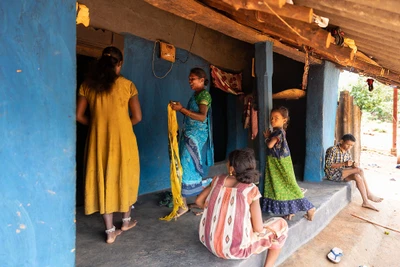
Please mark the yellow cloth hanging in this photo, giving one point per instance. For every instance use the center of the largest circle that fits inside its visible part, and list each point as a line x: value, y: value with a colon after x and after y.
x: 175, y: 165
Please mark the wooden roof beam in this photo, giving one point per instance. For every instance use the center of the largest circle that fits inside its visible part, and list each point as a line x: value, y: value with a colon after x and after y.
x: 209, y: 18
x: 300, y: 13
x: 314, y: 38
x: 237, y: 4
x: 378, y: 78
x: 300, y: 33
x: 198, y: 13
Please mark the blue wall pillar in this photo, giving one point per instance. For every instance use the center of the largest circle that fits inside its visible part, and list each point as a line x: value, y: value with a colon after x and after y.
x: 264, y: 71
x: 322, y: 97
x: 37, y: 132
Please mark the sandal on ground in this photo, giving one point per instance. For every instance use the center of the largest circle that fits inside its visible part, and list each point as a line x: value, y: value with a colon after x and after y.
x: 197, y: 213
x: 195, y: 206
x: 109, y: 232
x: 335, y: 255
x: 179, y: 214
x: 130, y: 226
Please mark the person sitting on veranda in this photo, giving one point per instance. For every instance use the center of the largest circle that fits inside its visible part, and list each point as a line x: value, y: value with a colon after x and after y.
x: 339, y: 167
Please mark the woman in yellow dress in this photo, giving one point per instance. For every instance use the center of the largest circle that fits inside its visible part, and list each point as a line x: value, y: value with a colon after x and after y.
x: 112, y: 159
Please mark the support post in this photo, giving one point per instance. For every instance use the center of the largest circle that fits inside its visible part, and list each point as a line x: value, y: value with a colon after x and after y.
x: 394, y: 137
x: 264, y: 71
x: 322, y: 95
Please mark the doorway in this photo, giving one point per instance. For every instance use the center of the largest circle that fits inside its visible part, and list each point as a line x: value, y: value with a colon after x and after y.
x: 220, y: 123
x: 83, y: 65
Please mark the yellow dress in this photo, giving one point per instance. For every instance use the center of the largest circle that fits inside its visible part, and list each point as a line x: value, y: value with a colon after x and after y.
x: 112, y: 156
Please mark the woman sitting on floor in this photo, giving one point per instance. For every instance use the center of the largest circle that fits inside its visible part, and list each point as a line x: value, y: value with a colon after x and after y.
x: 232, y: 226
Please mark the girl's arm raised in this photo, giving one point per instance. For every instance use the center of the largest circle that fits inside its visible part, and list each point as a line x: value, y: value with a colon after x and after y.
x: 272, y: 142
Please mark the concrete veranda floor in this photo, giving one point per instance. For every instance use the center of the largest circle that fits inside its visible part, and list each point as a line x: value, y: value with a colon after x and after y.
x: 158, y: 243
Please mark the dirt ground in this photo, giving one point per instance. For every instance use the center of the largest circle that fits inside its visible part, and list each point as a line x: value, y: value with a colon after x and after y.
x: 363, y: 243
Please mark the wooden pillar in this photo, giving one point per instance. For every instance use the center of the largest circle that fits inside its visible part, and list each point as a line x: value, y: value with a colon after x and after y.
x: 394, y: 137
x: 264, y: 71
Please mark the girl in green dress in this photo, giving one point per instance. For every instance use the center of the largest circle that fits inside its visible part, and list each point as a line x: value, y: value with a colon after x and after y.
x: 282, y: 195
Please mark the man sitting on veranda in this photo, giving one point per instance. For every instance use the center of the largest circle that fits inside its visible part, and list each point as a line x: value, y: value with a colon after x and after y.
x: 339, y: 166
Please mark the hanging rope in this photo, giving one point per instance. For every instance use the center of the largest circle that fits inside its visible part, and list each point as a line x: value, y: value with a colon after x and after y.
x: 190, y: 48
x: 284, y: 22
x: 306, y: 68
x: 152, y: 63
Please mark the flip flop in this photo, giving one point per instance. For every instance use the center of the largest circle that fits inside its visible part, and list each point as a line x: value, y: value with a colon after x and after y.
x: 335, y: 255
x: 197, y: 213
x: 181, y: 213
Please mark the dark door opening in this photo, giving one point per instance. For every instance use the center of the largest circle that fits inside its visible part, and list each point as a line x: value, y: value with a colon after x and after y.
x: 220, y: 123
x: 83, y: 64
x: 289, y: 74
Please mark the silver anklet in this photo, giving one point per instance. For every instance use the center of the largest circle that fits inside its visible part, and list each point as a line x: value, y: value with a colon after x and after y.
x: 126, y: 219
x: 111, y: 230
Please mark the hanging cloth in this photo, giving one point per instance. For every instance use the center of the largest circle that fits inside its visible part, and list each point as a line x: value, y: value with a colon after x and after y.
x: 227, y: 82
x: 247, y: 111
x: 175, y: 165
x: 254, y: 123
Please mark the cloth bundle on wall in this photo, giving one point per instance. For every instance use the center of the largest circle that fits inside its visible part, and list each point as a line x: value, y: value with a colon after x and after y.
x: 250, y: 116
x: 82, y: 14
x: 227, y: 82
x: 175, y: 165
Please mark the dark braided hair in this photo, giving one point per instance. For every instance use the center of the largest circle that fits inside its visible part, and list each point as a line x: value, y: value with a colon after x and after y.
x: 201, y: 74
x: 244, y: 163
x: 285, y: 114
x: 102, y: 76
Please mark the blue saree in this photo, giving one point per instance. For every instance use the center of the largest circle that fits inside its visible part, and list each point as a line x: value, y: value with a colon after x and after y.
x: 195, y: 135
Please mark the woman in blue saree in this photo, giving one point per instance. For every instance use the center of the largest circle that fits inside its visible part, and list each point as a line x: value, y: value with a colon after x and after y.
x: 196, y: 135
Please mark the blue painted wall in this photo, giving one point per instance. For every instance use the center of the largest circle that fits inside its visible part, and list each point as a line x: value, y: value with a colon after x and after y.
x: 37, y: 133
x: 322, y: 96
x: 237, y: 136
x: 154, y: 96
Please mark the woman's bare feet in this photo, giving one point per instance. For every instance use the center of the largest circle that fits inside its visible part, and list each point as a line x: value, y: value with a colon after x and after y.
x: 288, y: 217
x: 310, y: 214
x: 375, y: 198
x: 369, y: 206
x: 127, y: 224
x: 112, y: 234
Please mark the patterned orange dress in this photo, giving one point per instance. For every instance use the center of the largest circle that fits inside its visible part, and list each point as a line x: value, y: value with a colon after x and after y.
x: 226, y: 229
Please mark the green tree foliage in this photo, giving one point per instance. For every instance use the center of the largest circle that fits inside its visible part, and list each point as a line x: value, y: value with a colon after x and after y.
x: 379, y: 102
